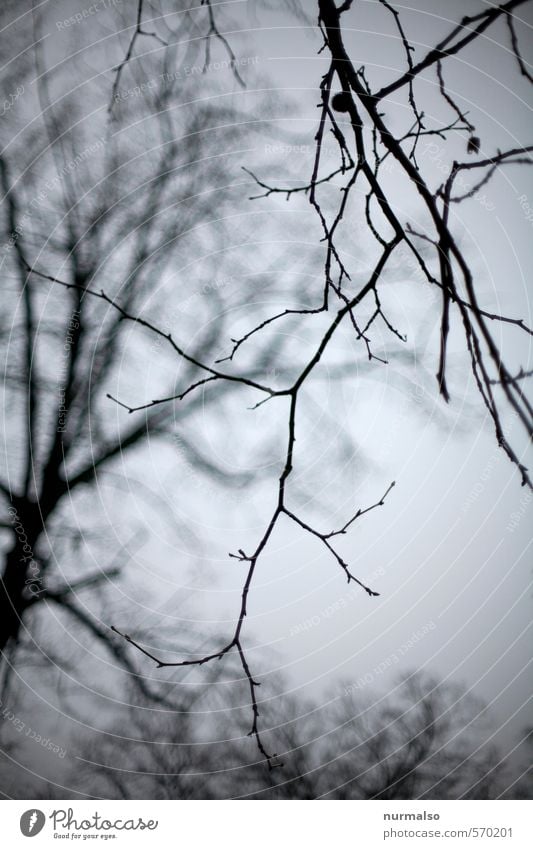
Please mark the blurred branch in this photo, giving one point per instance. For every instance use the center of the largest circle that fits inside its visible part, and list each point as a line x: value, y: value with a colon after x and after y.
x: 451, y: 44
x: 476, y: 330
x: 166, y: 336
x: 364, y: 142
x: 139, y: 31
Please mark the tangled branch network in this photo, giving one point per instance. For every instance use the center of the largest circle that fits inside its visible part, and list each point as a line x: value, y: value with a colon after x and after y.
x: 350, y: 112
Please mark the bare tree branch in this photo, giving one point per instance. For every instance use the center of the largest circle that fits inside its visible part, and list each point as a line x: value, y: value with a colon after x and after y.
x: 138, y: 31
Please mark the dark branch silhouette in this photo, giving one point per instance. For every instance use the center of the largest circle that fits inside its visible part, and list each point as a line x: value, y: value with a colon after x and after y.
x: 350, y: 111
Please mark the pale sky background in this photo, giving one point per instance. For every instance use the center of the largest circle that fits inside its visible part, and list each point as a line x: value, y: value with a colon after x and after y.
x: 442, y: 541
x: 450, y: 551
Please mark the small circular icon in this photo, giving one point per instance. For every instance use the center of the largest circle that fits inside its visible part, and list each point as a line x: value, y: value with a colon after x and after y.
x: 32, y: 822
